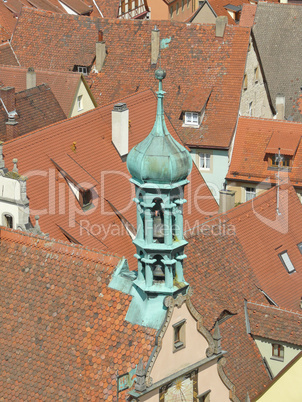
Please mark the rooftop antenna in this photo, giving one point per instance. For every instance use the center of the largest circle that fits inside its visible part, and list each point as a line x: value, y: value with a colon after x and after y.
x: 279, y: 159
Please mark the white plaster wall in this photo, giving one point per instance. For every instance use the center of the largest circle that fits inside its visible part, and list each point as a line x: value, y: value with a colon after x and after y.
x: 9, y: 188
x: 265, y: 348
x: 208, y: 379
x: 239, y: 188
x: 205, y: 16
x: 255, y: 91
x: 86, y: 101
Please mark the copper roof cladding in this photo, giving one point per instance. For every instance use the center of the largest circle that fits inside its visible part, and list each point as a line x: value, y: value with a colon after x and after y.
x: 63, y: 331
x: 85, y: 140
x: 275, y: 323
x: 36, y: 107
x: 249, y: 161
x: 63, y: 84
x: 7, y: 55
x: 200, y: 61
x: 230, y: 258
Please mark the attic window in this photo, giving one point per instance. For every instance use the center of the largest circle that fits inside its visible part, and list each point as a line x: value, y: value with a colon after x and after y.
x: 191, y: 118
x: 245, y: 82
x: 256, y: 74
x: 179, y: 335
x: 285, y: 162
x: 8, y: 221
x: 286, y: 261
x: 82, y: 69
x: 80, y: 102
x: 277, y: 352
x: 85, y: 199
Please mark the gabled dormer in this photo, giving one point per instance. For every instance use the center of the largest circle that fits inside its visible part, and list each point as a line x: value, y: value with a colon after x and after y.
x: 193, y: 108
x: 281, y: 150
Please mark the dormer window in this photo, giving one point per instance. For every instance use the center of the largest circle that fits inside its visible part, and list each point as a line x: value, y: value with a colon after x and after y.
x: 285, y: 161
x: 191, y: 118
x: 82, y: 69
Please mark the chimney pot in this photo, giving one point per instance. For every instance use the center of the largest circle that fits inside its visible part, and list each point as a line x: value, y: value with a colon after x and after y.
x: 7, y: 94
x: 120, y: 128
x: 221, y: 23
x: 100, y: 36
x: 100, y: 53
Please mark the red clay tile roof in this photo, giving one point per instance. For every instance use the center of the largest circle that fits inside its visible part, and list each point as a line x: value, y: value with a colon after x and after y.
x: 86, y: 141
x: 219, y: 7
x: 200, y: 61
x: 287, y: 144
x: 7, y: 55
x: 249, y: 161
x: 36, y: 107
x: 63, y: 332
x: 248, y: 15
x: 63, y: 84
x: 74, y: 36
x: 275, y: 323
x: 221, y: 277
x: 109, y: 9
x: 7, y: 23
x: 78, y: 6
x: 231, y: 257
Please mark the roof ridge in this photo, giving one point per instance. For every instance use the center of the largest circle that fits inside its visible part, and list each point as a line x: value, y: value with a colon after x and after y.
x: 38, y: 70
x: 270, y: 120
x: 16, y: 236
x: 282, y: 309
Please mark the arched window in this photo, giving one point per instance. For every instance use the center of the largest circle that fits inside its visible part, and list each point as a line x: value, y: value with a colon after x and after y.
x: 8, y: 221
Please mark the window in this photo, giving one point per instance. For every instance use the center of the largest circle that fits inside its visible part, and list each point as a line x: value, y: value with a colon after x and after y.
x: 82, y: 69
x: 245, y: 82
x: 86, y: 199
x: 204, y: 161
x: 177, y: 8
x: 256, y: 74
x: 285, y: 161
x: 204, y: 397
x: 182, y: 5
x: 8, y: 221
x: 277, y: 351
x: 171, y: 12
x: 286, y: 261
x: 80, y: 102
x: 191, y: 118
x: 179, y: 335
x: 251, y: 109
x: 250, y: 192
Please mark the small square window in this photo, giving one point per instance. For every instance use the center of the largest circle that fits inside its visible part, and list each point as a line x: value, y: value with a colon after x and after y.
x: 250, y: 192
x: 179, y: 335
x: 82, y: 69
x: 191, y: 118
x: 277, y: 351
x: 286, y: 261
x: 80, y: 102
x: 204, y: 161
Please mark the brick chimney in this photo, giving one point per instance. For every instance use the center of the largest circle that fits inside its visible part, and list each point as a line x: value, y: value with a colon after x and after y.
x: 154, y: 45
x: 221, y: 23
x: 100, y: 52
x: 31, y: 79
x: 8, y: 101
x: 280, y: 106
x: 120, y: 128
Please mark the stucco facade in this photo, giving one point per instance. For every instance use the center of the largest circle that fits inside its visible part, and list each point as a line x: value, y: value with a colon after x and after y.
x: 275, y: 364
x: 82, y: 101
x: 205, y: 15
x: 254, y: 98
x: 241, y: 189
x: 214, y: 176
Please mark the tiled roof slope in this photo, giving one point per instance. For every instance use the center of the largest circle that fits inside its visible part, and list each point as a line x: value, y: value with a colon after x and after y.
x: 7, y: 23
x: 248, y: 15
x: 275, y: 323
x: 109, y: 9
x: 63, y: 84
x: 83, y: 146
x: 219, y: 7
x: 231, y: 257
x: 221, y: 277
x: 7, y: 55
x: 264, y: 235
x: 36, y: 107
x: 54, y: 41
x: 200, y: 61
x: 277, y: 30
x: 63, y: 332
x: 249, y: 161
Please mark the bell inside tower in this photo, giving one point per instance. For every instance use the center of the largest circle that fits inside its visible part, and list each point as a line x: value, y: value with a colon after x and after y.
x: 158, y: 222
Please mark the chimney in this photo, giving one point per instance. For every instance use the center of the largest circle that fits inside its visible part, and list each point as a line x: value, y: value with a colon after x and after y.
x: 31, y: 80
x: 221, y: 23
x: 226, y: 200
x: 100, y: 52
x: 154, y: 45
x: 120, y: 128
x: 280, y: 106
x: 8, y: 100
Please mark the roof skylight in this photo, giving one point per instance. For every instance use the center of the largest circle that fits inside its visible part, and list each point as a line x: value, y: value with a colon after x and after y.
x: 287, y: 262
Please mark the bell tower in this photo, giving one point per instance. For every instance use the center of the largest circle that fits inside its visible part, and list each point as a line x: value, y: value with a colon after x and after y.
x: 159, y: 167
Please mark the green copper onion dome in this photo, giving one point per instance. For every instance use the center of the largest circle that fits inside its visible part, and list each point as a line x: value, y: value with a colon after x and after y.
x: 159, y: 158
